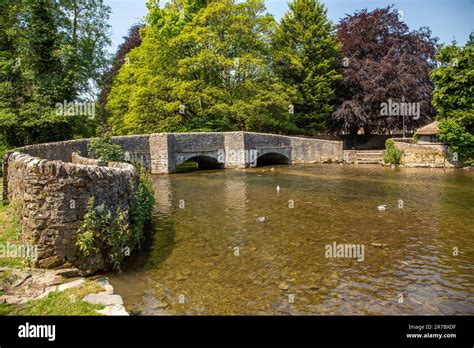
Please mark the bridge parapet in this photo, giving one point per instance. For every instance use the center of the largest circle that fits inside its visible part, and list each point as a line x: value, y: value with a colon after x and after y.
x: 162, y: 152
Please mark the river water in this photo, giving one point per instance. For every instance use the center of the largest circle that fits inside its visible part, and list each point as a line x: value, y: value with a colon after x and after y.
x: 210, y: 256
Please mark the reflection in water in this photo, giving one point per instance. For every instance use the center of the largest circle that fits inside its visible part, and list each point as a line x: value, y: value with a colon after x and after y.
x: 193, y: 267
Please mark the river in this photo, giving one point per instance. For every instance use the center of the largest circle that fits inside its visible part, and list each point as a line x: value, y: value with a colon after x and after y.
x: 227, y: 242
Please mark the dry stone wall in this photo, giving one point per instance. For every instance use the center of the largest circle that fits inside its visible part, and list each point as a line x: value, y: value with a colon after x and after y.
x: 51, y: 198
x: 424, y: 155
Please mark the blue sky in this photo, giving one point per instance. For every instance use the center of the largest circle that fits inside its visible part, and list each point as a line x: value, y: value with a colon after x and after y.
x: 447, y: 19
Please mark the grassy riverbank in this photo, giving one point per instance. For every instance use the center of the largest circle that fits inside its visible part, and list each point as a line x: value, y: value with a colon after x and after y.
x: 63, y: 303
x: 9, y: 232
x: 67, y: 302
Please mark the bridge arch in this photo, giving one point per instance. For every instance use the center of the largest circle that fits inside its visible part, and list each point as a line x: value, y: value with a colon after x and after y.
x: 205, y: 160
x: 272, y: 158
x: 269, y: 156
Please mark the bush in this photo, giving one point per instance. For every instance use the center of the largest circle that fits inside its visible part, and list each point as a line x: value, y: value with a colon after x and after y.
x: 392, y: 155
x: 113, y: 233
x: 142, y: 202
x: 104, y: 149
x: 459, y: 139
x: 106, y: 232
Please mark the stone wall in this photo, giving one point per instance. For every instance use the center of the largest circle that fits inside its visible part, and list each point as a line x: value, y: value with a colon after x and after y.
x: 51, y: 198
x: 58, y: 151
x: 76, y: 159
x: 424, y: 155
x: 136, y: 149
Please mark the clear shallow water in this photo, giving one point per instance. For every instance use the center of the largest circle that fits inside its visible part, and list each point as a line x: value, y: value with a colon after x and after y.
x: 191, y: 266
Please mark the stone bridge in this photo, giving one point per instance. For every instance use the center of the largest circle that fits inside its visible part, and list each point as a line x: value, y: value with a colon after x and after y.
x: 237, y: 150
x: 163, y: 152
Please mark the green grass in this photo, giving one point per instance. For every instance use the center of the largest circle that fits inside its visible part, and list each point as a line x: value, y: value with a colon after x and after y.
x: 63, y: 303
x: 9, y: 232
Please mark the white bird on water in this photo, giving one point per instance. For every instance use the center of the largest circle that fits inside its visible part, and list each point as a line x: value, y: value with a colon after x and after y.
x: 382, y: 207
x: 278, y: 188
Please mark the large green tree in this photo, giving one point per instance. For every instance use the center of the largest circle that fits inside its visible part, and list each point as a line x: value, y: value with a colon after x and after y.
x: 306, y: 56
x: 202, y: 65
x: 454, y: 97
x: 48, y: 55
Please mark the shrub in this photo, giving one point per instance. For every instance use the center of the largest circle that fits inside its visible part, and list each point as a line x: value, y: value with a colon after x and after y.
x: 113, y: 233
x: 104, y: 149
x: 142, y: 202
x: 459, y: 139
x: 392, y: 155
x: 104, y: 231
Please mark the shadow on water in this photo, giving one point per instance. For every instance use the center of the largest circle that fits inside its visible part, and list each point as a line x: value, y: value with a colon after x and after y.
x: 160, y: 233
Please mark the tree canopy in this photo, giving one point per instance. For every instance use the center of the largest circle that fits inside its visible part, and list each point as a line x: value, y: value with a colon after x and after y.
x: 202, y: 68
x: 306, y: 53
x: 454, y: 97
x: 52, y: 51
x: 383, y: 61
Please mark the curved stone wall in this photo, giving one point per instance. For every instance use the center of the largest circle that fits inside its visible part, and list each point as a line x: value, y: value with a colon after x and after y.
x: 51, y: 198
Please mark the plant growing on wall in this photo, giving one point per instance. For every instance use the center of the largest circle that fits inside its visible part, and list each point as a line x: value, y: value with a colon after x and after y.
x: 104, y: 149
x: 392, y: 155
x: 115, y: 233
x: 104, y: 231
x: 142, y: 202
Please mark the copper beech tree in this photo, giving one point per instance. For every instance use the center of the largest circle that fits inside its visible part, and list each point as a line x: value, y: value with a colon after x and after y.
x: 383, y: 62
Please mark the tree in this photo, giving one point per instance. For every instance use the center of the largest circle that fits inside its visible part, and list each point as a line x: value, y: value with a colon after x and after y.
x: 85, y: 37
x: 45, y: 61
x: 383, y: 62
x: 307, y: 57
x: 131, y: 41
x: 453, y: 97
x: 205, y: 69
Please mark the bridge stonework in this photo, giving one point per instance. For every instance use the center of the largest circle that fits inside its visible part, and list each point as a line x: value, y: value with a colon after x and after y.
x: 233, y: 149
x: 162, y: 153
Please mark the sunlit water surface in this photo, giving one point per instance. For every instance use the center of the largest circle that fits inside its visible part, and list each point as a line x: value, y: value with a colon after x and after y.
x: 193, y: 267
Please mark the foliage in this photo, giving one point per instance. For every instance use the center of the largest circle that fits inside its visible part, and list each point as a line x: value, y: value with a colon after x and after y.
x: 141, y: 205
x: 132, y: 40
x: 453, y: 98
x: 382, y: 60
x: 104, y: 231
x: 392, y: 155
x: 306, y: 56
x: 459, y: 138
x: 104, y: 149
x: 201, y: 66
x: 9, y: 232
x: 113, y: 232
x: 52, y: 51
